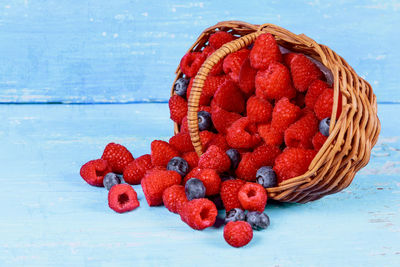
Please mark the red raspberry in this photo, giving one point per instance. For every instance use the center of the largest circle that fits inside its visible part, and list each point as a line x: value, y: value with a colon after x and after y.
x: 293, y: 162
x: 265, y: 155
x: 194, y: 173
x: 217, y: 39
x: 215, y: 158
x: 155, y: 169
x: 270, y: 135
x: 324, y: 104
x: 229, y: 97
x: 135, y: 171
x: 219, y: 140
x: 314, y: 91
x: 122, y: 198
x: 287, y: 58
x: 253, y: 197
x: 264, y: 52
x: 207, y: 51
x: 205, y: 108
x: 181, y: 142
x: 155, y: 182
x: 238, y: 234
x: 240, y: 134
x: 211, y: 181
x: 304, y: 72
x: 192, y: 159
x: 229, y: 193
x: 247, y: 77
x: 274, y: 82
x: 162, y: 152
x: 247, y: 168
x: 284, y: 114
x: 223, y: 119
x: 174, y: 197
x: 300, y: 133
x: 205, y: 139
x: 184, y: 126
x: 233, y: 62
x: 117, y: 157
x: 191, y: 63
x: 211, y: 85
x: 259, y: 110
x: 177, y: 108
x: 93, y: 172
x: 318, y: 140
x: 199, y: 213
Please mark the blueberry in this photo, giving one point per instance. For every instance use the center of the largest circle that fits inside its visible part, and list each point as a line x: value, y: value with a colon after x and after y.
x: 216, y: 199
x: 205, y: 122
x: 266, y: 177
x: 324, y: 126
x: 257, y: 220
x: 234, y: 215
x: 111, y: 179
x: 234, y: 155
x: 180, y: 86
x: 226, y: 176
x: 179, y: 165
x: 194, y: 188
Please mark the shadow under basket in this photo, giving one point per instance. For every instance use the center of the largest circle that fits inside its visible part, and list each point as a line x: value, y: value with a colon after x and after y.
x: 352, y: 135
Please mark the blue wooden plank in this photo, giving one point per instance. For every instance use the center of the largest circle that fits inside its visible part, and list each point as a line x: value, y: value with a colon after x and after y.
x: 49, y: 216
x: 124, y: 50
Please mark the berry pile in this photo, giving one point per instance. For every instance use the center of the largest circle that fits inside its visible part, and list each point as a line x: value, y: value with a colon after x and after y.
x: 263, y: 116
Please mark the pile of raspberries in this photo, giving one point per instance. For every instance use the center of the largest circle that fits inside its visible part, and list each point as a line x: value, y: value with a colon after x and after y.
x: 263, y: 116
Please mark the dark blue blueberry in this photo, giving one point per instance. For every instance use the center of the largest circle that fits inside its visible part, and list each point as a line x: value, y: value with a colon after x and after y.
x: 234, y: 215
x: 194, y: 188
x: 266, y: 177
x: 111, y: 179
x: 179, y: 165
x: 180, y: 86
x: 234, y: 155
x: 257, y: 220
x: 324, y: 126
x: 205, y: 122
x: 226, y: 176
x: 216, y: 199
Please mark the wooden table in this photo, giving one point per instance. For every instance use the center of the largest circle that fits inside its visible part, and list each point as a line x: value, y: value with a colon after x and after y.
x: 101, y: 52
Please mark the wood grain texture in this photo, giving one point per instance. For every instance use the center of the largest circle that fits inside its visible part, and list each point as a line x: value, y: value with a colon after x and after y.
x: 50, y: 216
x: 127, y: 50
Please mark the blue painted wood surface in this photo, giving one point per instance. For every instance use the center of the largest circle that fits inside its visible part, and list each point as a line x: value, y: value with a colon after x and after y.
x: 50, y: 216
x: 127, y: 50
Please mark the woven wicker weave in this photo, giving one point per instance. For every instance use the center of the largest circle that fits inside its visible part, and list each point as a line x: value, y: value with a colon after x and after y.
x: 351, y: 137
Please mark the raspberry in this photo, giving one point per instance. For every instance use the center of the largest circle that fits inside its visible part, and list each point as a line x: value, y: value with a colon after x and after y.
x: 293, y: 162
x: 135, y: 171
x: 324, y: 104
x: 284, y: 114
x: 239, y: 134
x: 229, y: 97
x: 274, y: 82
x: 211, y: 181
x: 215, y: 158
x: 270, y: 135
x: 229, y: 193
x: 233, y: 62
x: 205, y: 139
x: 253, y: 197
x: 318, y: 140
x: 181, y: 142
x: 300, y: 133
x: 314, y: 91
x: 162, y: 152
x: 205, y: 108
x: 238, y: 234
x: 211, y: 84
x: 207, y: 51
x: 93, y: 172
x: 199, y: 213
x: 265, y: 155
x: 177, y: 108
x: 191, y: 63
x: 122, y: 198
x: 223, y: 119
x: 191, y: 158
x: 287, y: 58
x: 194, y: 173
x: 264, y: 52
x: 117, y: 157
x: 217, y: 39
x: 247, y: 168
x: 184, y: 126
x: 174, y: 197
x: 219, y: 140
x: 247, y: 77
x: 258, y: 110
x: 155, y: 182
x: 304, y: 72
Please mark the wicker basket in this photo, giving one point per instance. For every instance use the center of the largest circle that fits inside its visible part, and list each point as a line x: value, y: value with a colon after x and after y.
x: 351, y: 137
